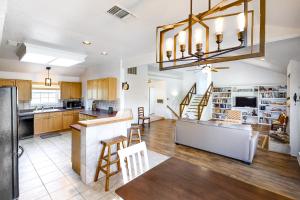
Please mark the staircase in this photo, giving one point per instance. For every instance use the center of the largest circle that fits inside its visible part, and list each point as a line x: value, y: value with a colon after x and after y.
x: 193, y: 106
x: 191, y: 111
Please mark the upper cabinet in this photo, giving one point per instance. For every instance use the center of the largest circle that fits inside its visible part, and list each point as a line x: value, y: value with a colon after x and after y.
x: 24, y: 90
x: 70, y: 90
x: 102, y: 89
x: 7, y: 82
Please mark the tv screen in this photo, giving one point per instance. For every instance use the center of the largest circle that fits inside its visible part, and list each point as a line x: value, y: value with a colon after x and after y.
x: 246, y: 102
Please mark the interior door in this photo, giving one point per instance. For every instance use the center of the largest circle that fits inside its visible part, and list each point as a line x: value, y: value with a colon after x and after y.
x: 152, y: 100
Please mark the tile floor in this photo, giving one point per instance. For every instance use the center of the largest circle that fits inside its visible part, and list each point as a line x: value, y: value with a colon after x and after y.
x: 45, y: 172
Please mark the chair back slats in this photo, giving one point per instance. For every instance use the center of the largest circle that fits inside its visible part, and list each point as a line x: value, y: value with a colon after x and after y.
x: 136, y: 157
x: 141, y: 111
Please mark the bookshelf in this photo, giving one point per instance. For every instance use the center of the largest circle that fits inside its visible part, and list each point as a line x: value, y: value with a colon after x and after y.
x: 272, y: 100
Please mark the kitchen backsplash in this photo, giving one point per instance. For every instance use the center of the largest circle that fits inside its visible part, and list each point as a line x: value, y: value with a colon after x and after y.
x: 27, y: 105
x: 104, y: 104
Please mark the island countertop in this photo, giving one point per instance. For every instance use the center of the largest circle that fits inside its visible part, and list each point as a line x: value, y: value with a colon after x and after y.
x: 98, y: 113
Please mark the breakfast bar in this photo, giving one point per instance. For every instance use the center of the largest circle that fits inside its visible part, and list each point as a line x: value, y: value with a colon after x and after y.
x: 86, y: 137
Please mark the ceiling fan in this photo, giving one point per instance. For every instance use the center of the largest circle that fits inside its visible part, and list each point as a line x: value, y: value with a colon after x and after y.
x: 209, y: 68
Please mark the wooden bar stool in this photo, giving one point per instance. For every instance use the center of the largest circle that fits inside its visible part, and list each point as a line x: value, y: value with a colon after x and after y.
x: 107, y: 144
x: 135, y: 134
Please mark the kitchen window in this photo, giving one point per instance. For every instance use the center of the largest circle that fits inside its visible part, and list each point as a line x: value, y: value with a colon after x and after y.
x: 43, y: 95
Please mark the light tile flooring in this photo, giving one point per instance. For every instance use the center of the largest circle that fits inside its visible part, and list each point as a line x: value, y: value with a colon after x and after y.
x: 45, y: 172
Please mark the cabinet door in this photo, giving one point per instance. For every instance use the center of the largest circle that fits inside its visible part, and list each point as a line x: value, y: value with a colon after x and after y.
x: 112, y: 89
x: 76, y: 116
x: 76, y: 91
x: 67, y: 119
x: 55, y: 122
x: 65, y: 90
x: 24, y: 90
x: 105, y: 84
x: 100, y: 89
x: 7, y: 82
x: 41, y: 123
x: 89, y: 89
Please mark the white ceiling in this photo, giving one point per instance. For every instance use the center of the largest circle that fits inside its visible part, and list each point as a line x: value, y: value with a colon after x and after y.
x: 65, y: 24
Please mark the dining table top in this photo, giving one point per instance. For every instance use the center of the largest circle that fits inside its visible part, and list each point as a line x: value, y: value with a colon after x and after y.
x: 178, y: 179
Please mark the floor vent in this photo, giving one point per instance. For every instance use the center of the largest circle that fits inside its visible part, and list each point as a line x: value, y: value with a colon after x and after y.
x: 118, y: 12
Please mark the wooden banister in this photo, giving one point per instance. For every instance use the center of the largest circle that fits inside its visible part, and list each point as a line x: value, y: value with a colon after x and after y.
x: 204, y: 101
x: 174, y: 113
x: 187, y: 99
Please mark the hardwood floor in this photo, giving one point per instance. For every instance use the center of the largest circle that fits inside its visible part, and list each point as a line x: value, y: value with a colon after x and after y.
x: 276, y: 172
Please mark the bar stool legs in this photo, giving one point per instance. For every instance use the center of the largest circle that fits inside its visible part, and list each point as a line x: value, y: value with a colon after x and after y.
x: 106, y: 168
x: 134, y: 135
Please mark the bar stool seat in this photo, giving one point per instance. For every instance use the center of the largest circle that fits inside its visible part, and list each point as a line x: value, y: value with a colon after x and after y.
x: 107, y: 144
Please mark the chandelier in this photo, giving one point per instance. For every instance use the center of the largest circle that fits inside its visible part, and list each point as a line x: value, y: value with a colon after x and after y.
x: 187, y: 43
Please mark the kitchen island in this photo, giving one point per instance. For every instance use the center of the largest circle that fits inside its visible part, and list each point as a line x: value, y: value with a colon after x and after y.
x: 86, y: 138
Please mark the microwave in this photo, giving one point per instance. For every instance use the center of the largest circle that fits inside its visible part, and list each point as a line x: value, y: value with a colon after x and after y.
x: 72, y: 104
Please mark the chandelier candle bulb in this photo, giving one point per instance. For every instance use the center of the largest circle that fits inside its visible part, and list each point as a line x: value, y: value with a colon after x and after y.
x: 198, y: 36
x: 241, y: 22
x: 169, y: 47
x: 219, y: 23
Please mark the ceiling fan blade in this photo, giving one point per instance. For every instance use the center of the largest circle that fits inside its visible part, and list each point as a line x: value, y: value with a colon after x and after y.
x: 214, y: 70
x: 221, y: 67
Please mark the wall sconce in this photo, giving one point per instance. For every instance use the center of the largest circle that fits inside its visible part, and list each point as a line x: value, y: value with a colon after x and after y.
x: 125, y: 86
x: 296, y: 98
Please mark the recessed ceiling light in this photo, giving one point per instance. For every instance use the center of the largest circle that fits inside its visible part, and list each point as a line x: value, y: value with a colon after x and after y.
x: 104, y: 53
x: 86, y: 42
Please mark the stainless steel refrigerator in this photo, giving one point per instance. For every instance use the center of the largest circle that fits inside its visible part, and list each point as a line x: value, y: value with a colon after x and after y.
x: 9, y: 178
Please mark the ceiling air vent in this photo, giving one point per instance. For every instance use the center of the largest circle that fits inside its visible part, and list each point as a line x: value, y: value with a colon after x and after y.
x: 118, y: 12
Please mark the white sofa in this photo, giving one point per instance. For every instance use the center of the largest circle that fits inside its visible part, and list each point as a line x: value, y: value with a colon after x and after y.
x: 231, y: 140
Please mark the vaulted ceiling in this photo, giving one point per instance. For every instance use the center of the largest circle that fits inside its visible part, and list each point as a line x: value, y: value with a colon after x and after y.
x: 65, y: 24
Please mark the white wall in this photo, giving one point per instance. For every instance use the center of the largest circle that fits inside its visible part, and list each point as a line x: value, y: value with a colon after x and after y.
x: 246, y: 74
x: 294, y: 87
x: 138, y: 94
x: 37, y: 77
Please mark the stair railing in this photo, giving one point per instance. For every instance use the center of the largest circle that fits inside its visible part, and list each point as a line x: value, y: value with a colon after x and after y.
x: 174, y: 113
x: 187, y: 99
x: 204, y: 101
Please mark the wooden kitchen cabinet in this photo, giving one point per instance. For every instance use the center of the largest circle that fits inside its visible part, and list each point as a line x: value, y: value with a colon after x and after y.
x: 76, y: 91
x: 92, y: 89
x: 41, y: 123
x: 55, y: 121
x: 7, y: 82
x: 76, y: 116
x: 24, y: 90
x: 68, y: 119
x: 70, y: 90
x: 102, y: 89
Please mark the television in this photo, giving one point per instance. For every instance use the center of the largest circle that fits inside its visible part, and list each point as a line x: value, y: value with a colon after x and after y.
x: 246, y: 102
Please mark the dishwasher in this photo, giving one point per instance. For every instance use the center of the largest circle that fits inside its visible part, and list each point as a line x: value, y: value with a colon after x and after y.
x: 26, y: 125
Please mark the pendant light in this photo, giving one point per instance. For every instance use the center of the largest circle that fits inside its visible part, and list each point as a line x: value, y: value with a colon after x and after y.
x: 48, y: 79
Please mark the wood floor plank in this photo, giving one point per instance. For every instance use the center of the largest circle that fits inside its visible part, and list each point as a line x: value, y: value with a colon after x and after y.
x: 272, y: 171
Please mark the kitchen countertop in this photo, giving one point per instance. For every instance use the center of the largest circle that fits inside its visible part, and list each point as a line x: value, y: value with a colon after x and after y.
x: 98, y: 113
x: 33, y: 111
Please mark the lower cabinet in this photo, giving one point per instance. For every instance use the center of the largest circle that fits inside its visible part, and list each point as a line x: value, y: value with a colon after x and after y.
x: 55, y: 121
x: 68, y: 119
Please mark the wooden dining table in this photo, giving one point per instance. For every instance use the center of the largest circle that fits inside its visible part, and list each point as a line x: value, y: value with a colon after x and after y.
x: 178, y: 179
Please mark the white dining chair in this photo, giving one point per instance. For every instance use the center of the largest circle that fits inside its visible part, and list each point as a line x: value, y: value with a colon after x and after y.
x: 134, y: 161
